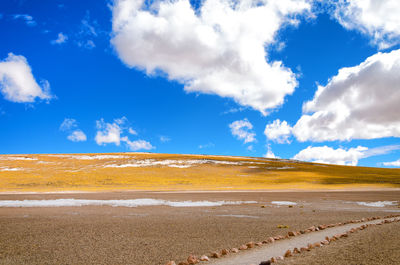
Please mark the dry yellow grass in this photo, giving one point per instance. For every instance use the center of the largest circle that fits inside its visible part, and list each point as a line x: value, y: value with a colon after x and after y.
x: 42, y: 173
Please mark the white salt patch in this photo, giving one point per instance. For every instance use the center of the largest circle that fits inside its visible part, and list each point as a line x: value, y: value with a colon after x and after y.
x: 180, y: 166
x: 283, y: 203
x: 16, y: 158
x: 282, y: 168
x: 116, y: 203
x: 238, y: 216
x: 92, y: 157
x: 10, y: 169
x: 378, y: 203
x: 170, y: 163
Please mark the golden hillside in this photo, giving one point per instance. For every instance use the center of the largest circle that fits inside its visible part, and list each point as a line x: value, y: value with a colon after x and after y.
x: 148, y: 171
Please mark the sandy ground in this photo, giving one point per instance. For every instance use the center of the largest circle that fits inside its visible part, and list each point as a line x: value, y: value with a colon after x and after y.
x: 156, y: 234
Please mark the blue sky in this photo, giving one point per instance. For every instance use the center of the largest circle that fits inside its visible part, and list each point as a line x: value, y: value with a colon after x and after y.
x: 212, y: 77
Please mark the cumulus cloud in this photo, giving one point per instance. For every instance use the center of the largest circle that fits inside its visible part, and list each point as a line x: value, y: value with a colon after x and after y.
x: 278, y: 131
x: 242, y: 130
x: 28, y: 19
x: 71, y: 126
x: 328, y: 155
x: 77, y: 136
x: 377, y: 18
x: 61, y: 38
x: 137, y: 145
x: 108, y: 133
x: 392, y: 164
x: 112, y: 133
x: 341, y: 156
x: 216, y: 49
x: 360, y: 102
x: 269, y: 153
x: 17, y: 83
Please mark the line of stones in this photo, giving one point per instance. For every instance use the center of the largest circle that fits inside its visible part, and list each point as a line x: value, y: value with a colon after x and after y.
x: 192, y: 259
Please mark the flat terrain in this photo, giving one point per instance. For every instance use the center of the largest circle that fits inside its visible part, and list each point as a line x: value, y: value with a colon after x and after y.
x: 149, y: 235
x: 146, y: 171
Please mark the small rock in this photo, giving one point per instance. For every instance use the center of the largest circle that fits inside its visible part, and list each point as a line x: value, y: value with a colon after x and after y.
x: 325, y: 242
x: 291, y: 233
x: 234, y: 250
x: 310, y: 246
x: 224, y: 251
x: 259, y: 244
x: 288, y: 253
x: 327, y: 238
x: 183, y: 263
x: 273, y: 260
x: 250, y: 245
x: 215, y: 255
x: 267, y: 262
x: 302, y: 249
x: 279, y: 258
x: 296, y: 250
x: 192, y: 259
x: 243, y: 247
x: 317, y: 245
x: 270, y: 240
x: 170, y: 263
x: 204, y: 258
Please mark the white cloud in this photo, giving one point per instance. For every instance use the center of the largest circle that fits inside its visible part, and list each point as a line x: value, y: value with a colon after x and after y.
x: 269, y: 153
x: 379, y: 19
x: 341, y: 156
x: 71, y: 126
x: 278, y: 131
x: 77, y: 136
x: 17, y: 84
x: 328, y: 155
x: 108, y: 133
x: 392, y: 164
x: 208, y: 145
x: 88, y: 31
x: 26, y: 18
x: 61, y: 38
x: 217, y: 49
x: 112, y: 133
x: 132, y: 131
x: 138, y: 144
x: 360, y: 102
x: 164, y: 139
x: 68, y: 124
x: 242, y: 129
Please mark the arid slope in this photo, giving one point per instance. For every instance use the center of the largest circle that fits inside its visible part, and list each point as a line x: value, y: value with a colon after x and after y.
x: 148, y: 171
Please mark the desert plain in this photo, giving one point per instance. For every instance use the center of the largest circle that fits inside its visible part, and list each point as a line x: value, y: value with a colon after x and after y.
x: 142, y: 208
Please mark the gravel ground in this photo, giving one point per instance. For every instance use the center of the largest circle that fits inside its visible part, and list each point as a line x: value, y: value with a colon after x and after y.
x: 154, y: 235
x: 373, y: 246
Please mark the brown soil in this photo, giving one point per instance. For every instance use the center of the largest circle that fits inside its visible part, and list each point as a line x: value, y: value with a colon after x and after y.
x: 154, y: 235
